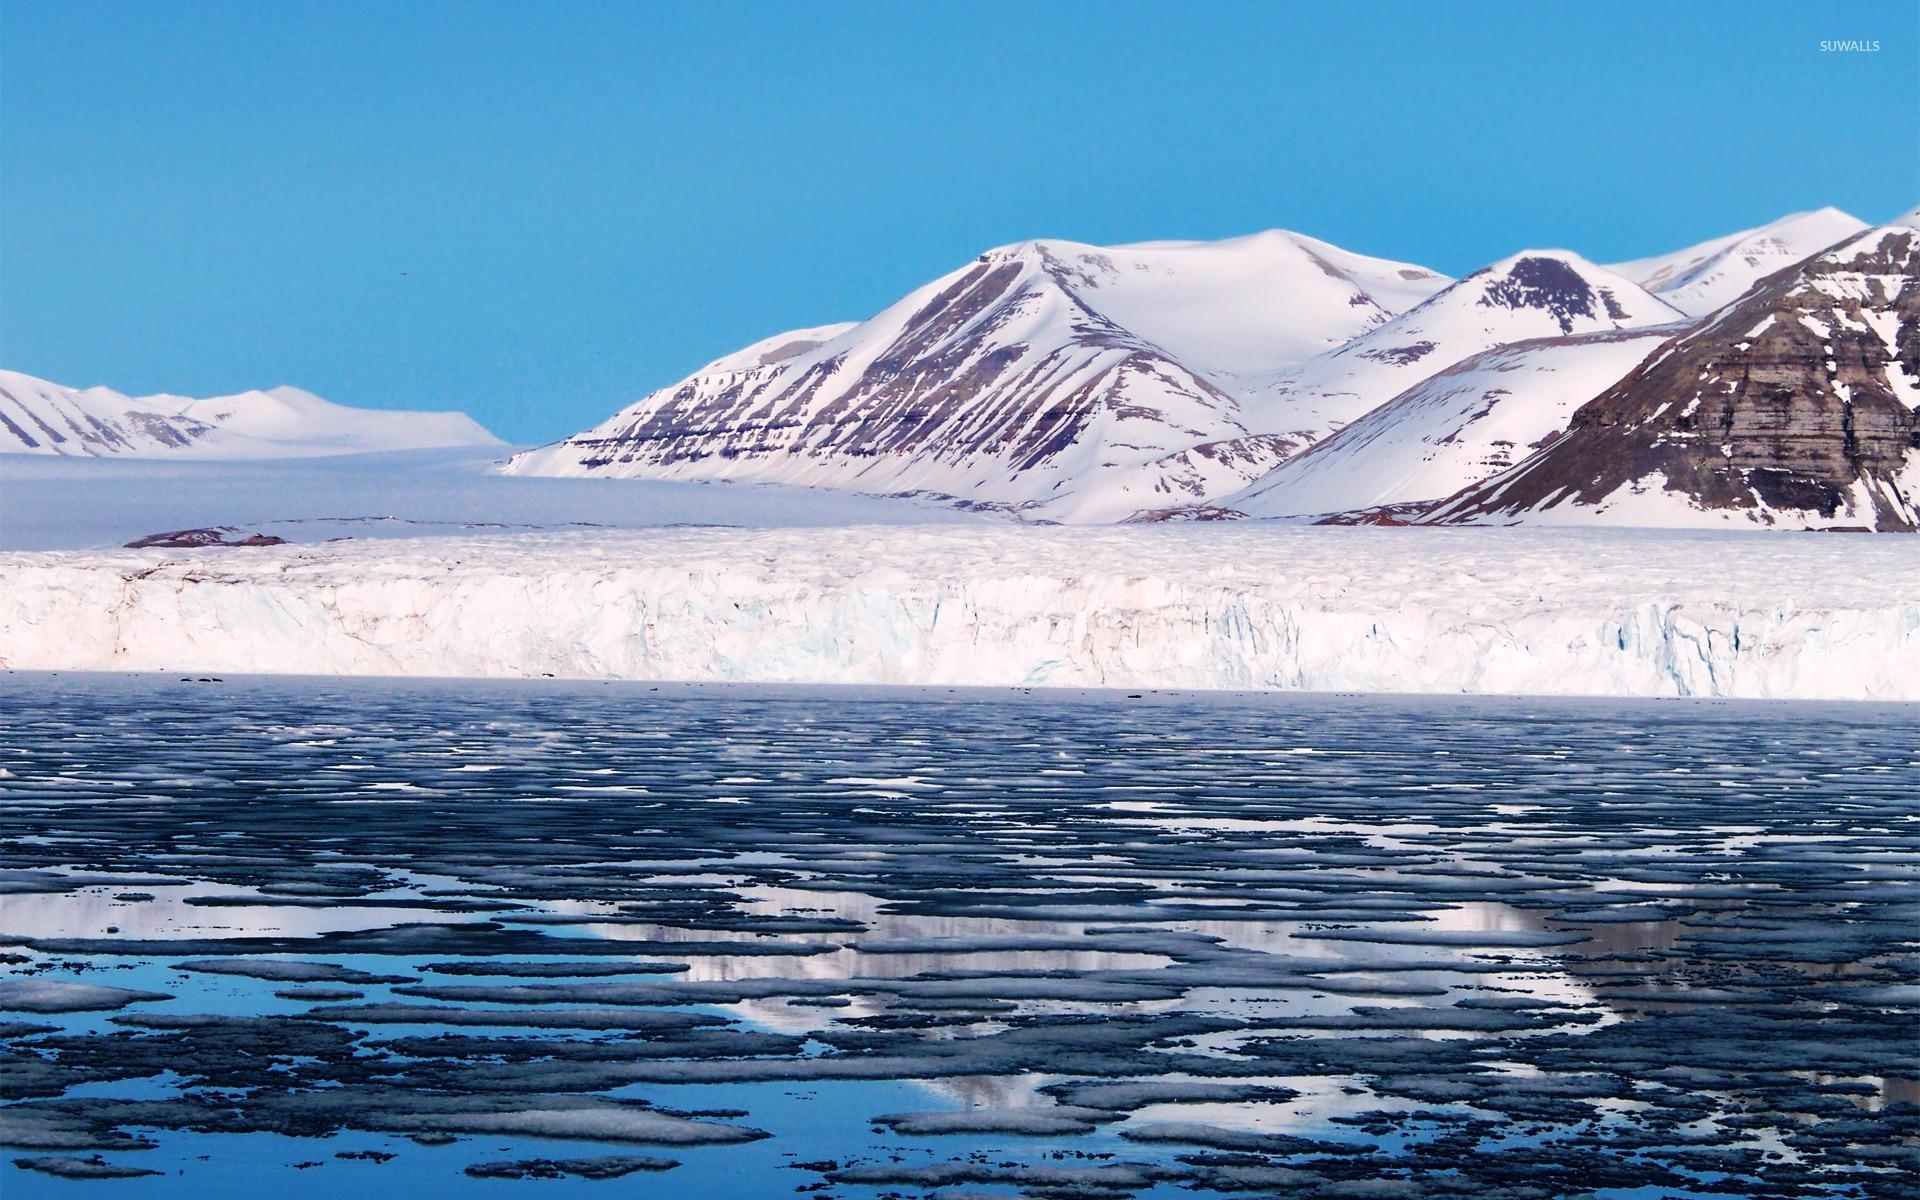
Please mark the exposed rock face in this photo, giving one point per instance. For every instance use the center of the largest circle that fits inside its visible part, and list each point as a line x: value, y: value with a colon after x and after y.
x: 1021, y: 402
x: 193, y: 539
x: 1061, y: 381
x: 1552, y: 285
x: 1795, y: 406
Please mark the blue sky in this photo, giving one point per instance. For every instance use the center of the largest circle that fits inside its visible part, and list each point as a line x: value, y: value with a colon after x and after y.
x: 537, y: 213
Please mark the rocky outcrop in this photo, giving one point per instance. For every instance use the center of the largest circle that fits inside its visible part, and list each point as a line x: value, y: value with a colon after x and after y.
x: 197, y: 539
x: 1796, y: 406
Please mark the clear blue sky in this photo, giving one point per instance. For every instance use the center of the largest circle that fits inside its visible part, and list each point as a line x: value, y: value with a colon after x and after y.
x: 538, y: 212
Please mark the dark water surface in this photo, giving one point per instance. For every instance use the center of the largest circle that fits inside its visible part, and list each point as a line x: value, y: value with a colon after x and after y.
x: 359, y: 938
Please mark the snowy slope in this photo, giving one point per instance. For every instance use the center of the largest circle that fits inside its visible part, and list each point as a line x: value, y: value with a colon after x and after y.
x: 1470, y: 421
x: 1797, y: 407
x: 1189, y: 606
x: 1060, y: 380
x: 37, y: 417
x: 1240, y: 309
x: 1715, y: 273
x: 56, y: 502
x: 1534, y: 294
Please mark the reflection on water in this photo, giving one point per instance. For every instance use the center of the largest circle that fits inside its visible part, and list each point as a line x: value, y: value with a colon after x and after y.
x: 1438, y: 943
x: 179, y: 910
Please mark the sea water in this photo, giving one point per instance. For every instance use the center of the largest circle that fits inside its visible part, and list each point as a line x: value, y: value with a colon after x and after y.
x: 363, y: 937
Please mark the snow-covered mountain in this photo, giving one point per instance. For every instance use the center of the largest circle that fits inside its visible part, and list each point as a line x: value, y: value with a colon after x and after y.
x: 1078, y: 383
x: 1060, y: 380
x: 1534, y: 294
x: 1798, y: 406
x: 1272, y: 375
x: 37, y: 417
x: 1464, y: 424
x: 1715, y: 273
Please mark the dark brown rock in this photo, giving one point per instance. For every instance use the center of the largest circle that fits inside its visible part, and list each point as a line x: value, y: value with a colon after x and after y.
x: 193, y: 539
x: 1787, y: 406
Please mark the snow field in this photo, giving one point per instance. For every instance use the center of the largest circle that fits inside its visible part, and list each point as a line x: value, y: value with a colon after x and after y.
x: 1559, y: 612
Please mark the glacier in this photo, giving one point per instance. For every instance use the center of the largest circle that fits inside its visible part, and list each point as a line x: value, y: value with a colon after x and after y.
x: 1182, y: 606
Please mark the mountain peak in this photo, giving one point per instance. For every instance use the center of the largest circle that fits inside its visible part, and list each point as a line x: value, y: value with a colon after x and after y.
x: 1555, y: 254
x: 1795, y: 405
x: 1530, y: 295
x: 1715, y: 273
x: 37, y: 417
x: 1578, y: 296
x: 1048, y: 376
x: 1568, y: 287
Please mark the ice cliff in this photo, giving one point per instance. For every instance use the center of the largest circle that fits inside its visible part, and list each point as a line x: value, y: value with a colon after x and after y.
x: 1188, y: 606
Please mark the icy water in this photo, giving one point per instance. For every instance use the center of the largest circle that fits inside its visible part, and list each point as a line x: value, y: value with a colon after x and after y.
x: 324, y: 938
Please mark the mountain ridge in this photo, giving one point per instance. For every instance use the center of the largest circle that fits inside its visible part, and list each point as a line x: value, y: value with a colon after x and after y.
x: 1472, y: 420
x: 40, y: 417
x: 1798, y: 405
x: 1012, y: 383
x: 1267, y: 375
x: 1528, y: 295
x: 1712, y: 274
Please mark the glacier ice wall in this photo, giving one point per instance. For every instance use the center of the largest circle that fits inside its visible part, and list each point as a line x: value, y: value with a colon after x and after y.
x: 1190, y: 606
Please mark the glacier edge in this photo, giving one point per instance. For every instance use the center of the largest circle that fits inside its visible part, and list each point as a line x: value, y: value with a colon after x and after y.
x: 1627, y: 613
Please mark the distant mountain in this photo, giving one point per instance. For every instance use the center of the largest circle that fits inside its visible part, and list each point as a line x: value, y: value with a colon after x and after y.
x: 1055, y: 379
x: 1708, y: 276
x: 1794, y: 407
x: 1534, y: 294
x: 1466, y: 423
x: 37, y: 417
x: 1271, y: 375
